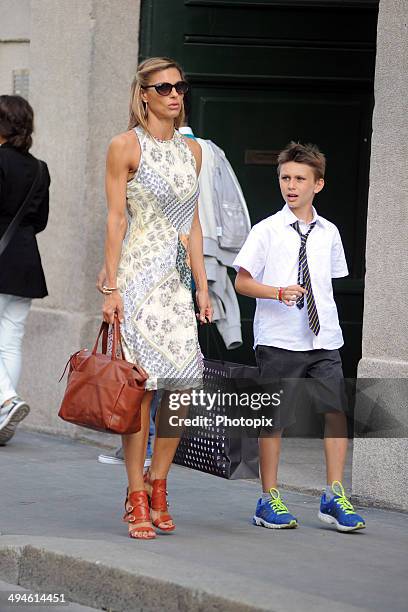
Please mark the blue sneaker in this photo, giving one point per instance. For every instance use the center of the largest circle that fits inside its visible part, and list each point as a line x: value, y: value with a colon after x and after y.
x: 273, y: 513
x: 339, y: 511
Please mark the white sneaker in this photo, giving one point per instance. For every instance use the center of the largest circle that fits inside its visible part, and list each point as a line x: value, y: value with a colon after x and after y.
x: 112, y: 459
x: 117, y: 459
x: 10, y: 416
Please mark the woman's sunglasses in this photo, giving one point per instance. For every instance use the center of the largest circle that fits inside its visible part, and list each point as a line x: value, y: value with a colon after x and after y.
x: 164, y: 89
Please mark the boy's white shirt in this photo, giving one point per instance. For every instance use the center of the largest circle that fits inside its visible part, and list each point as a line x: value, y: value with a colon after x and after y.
x: 271, y: 255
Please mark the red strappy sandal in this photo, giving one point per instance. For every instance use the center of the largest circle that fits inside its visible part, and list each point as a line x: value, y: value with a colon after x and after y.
x: 158, y: 502
x: 138, y: 512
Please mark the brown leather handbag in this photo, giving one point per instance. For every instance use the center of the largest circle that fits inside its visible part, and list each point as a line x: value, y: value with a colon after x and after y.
x: 103, y: 392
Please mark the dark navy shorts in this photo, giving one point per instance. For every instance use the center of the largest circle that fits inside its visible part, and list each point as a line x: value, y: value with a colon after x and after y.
x: 306, y: 378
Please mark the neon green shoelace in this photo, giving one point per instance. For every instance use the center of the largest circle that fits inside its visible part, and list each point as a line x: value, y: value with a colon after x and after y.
x: 276, y: 503
x: 341, y: 499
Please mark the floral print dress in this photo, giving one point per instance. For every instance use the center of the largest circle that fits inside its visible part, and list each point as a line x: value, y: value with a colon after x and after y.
x: 154, y: 277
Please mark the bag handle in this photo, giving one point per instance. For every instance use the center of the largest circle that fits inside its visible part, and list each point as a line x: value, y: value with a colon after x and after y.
x: 104, y: 329
x: 214, y: 341
x: 15, y: 222
x: 116, y: 339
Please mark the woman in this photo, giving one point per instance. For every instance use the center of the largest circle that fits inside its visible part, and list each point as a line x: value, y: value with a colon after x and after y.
x: 153, y: 243
x: 21, y: 273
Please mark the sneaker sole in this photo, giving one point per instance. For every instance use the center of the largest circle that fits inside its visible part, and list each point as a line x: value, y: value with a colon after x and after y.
x: 326, y: 518
x: 259, y: 522
x: 10, y: 423
x: 110, y: 460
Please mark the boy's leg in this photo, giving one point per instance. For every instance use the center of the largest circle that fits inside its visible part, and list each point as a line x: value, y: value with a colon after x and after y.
x: 335, y: 445
x: 275, y: 364
x: 331, y: 400
x: 269, y: 453
x: 335, y: 508
x: 270, y: 511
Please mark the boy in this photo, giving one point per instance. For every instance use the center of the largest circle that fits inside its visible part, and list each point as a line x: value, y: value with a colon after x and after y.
x: 287, y: 264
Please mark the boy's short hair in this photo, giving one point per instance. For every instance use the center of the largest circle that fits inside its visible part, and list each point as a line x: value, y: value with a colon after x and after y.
x: 303, y: 154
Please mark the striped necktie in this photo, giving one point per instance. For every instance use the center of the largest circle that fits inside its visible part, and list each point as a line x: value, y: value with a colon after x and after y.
x: 304, y: 275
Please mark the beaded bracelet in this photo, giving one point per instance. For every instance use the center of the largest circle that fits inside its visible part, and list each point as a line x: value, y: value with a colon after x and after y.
x: 280, y: 293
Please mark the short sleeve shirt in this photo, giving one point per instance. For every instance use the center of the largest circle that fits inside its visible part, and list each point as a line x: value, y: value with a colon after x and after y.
x: 271, y: 255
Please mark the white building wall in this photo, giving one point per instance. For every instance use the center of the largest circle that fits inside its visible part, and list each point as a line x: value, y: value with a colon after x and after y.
x: 379, y: 465
x: 14, y: 40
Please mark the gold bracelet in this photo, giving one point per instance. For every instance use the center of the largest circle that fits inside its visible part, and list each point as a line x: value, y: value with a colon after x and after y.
x: 277, y: 294
x: 105, y: 288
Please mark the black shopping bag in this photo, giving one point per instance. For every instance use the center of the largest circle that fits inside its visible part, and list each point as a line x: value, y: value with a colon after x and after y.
x: 213, y: 449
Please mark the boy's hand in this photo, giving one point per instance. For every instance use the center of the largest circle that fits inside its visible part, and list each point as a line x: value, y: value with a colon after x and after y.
x: 291, y: 294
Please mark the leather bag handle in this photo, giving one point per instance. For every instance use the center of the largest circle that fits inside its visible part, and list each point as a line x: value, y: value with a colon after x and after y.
x: 116, y: 339
x: 104, y: 328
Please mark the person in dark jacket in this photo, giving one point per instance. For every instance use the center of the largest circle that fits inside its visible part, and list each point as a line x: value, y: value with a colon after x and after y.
x: 21, y: 273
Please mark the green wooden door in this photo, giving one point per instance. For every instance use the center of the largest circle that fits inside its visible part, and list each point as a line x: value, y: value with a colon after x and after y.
x: 262, y: 74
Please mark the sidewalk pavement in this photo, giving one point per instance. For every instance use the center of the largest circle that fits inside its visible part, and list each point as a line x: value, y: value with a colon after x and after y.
x: 61, y: 532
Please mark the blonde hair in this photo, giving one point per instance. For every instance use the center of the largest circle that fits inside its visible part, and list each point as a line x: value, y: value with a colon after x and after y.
x: 137, y: 108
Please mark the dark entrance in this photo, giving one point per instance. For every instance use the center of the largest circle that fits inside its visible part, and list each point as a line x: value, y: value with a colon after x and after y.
x: 264, y: 73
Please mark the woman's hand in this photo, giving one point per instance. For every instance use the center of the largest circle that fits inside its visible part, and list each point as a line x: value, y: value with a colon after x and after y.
x: 101, y: 279
x: 291, y: 294
x: 204, y: 304
x: 113, y: 304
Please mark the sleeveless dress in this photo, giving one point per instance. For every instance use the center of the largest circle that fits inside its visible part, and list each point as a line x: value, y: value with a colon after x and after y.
x: 154, y: 277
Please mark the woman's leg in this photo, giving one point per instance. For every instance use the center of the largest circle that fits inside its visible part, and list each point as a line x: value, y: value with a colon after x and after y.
x: 134, y: 447
x: 13, y: 314
x: 164, y: 448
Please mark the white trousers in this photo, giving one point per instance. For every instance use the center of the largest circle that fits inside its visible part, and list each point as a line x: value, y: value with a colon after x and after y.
x: 13, y: 315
